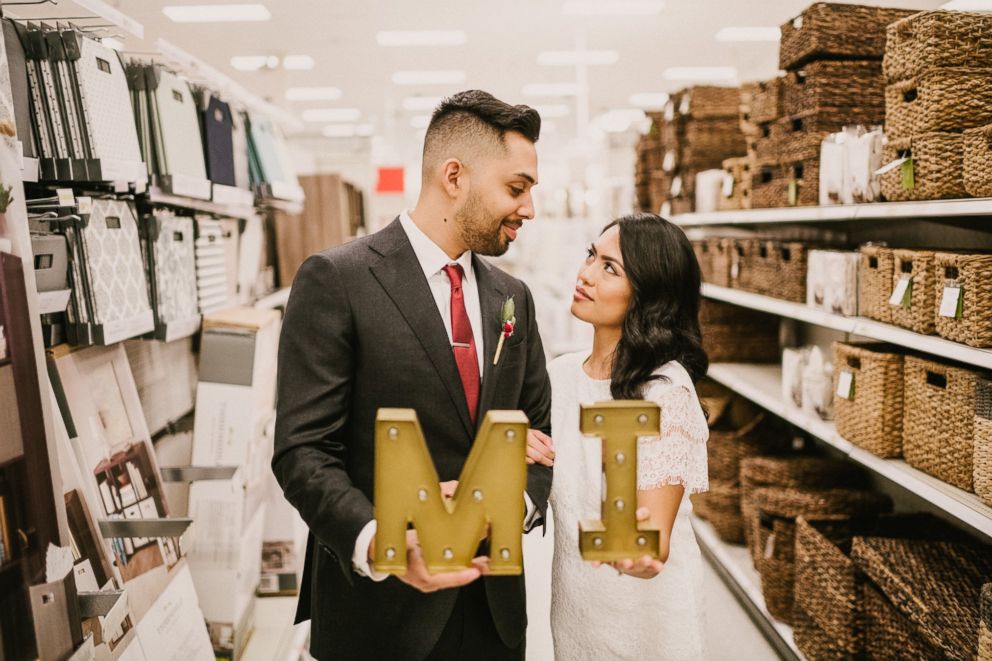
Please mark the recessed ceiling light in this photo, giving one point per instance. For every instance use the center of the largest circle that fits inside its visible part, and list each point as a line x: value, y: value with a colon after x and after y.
x: 428, y: 77
x: 298, y: 62
x: 552, y: 110
x: 313, y: 94
x: 612, y: 8
x: 770, y: 34
x: 421, y: 37
x: 110, y: 42
x: 254, y: 62
x: 968, y: 5
x: 331, y: 115
x: 551, y: 89
x: 572, y: 57
x: 420, y: 121
x: 421, y: 103
x: 699, y: 73
x: 648, y: 100
x: 217, y: 13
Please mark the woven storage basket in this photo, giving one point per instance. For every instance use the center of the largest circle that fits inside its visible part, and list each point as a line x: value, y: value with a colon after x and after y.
x: 875, y: 283
x: 781, y: 270
x: 738, y: 172
x: 735, y: 436
x: 872, y: 417
x: 735, y: 334
x: 701, y: 248
x: 973, y: 274
x: 721, y: 252
x: 916, y: 311
x: 937, y: 168
x: 938, y: 100
x: 983, y: 441
x: 775, y: 528
x: 744, y: 264
x: 799, y: 136
x: 937, y: 39
x: 856, y: 84
x: 795, y: 183
x: 708, y: 101
x: 890, y: 634
x: 936, y: 584
x: 829, y: 31
x: 721, y: 506
x: 707, y: 142
x: 939, y: 420
x: 766, y: 101
x: 659, y: 189
x: 985, y: 628
x: 977, y: 161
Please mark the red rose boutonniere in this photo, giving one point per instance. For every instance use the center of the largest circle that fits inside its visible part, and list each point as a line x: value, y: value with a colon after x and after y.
x: 508, y: 322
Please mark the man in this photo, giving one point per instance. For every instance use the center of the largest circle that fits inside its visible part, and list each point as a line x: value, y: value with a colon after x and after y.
x: 409, y: 317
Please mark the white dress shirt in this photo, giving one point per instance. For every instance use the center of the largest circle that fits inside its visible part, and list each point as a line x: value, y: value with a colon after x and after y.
x: 433, y: 260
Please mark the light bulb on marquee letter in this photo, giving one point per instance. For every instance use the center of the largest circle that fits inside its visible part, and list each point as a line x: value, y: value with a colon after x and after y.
x: 490, y: 493
x: 618, y: 535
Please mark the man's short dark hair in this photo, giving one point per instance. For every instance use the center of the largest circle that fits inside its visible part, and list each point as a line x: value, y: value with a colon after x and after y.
x: 474, y: 122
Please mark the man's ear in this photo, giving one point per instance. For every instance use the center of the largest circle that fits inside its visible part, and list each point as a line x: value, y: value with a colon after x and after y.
x: 453, y: 177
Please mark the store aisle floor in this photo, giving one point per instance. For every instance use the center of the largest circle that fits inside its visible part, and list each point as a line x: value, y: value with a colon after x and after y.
x: 730, y: 634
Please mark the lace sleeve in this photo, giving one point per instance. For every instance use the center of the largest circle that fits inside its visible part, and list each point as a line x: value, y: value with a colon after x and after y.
x: 678, y: 455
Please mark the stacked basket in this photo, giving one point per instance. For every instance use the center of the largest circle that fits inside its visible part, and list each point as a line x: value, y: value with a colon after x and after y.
x: 938, y: 66
x: 734, y: 334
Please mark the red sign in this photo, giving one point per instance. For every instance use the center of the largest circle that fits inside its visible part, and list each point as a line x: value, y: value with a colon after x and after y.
x: 390, y: 180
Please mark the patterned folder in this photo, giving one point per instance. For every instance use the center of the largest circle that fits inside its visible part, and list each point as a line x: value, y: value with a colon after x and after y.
x: 19, y: 88
x: 173, y: 266
x: 211, y: 270
x: 107, y: 103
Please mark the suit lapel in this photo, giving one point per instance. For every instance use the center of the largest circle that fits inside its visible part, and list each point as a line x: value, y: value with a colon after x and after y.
x: 491, y: 301
x: 402, y: 277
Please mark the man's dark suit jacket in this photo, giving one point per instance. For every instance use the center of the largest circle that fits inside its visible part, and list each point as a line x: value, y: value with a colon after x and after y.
x: 362, y: 332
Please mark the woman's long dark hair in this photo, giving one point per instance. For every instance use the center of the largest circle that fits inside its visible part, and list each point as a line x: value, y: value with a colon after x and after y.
x: 662, y: 322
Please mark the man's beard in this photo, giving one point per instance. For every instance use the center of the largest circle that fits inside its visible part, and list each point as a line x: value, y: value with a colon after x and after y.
x: 479, y: 231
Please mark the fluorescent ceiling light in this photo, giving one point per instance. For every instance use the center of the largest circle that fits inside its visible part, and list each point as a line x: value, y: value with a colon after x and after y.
x: 110, y: 42
x: 331, y: 115
x: 298, y: 62
x: 572, y: 57
x: 421, y: 103
x: 420, y: 121
x: 618, y: 121
x: 648, y: 100
x: 968, y: 5
x: 551, y: 89
x: 348, y: 130
x: 254, y: 62
x: 217, y: 13
x: 612, y: 7
x: 552, y: 110
x: 770, y: 34
x: 421, y: 37
x: 699, y: 73
x: 313, y: 94
x: 428, y: 77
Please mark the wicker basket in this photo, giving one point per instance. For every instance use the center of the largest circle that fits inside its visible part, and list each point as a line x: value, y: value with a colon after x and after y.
x: 659, y: 189
x: 935, y: 584
x: 767, y: 98
x: 814, y: 642
x: 985, y: 628
x: 721, y: 252
x: 738, y: 173
x: 872, y: 417
x: 973, y: 274
x: 738, y: 434
x: 701, y: 248
x: 706, y: 143
x: 780, y: 270
x: 939, y: 420
x: 938, y: 100
x: 776, y: 185
x: 775, y: 528
x: 857, y: 84
x: 875, y: 283
x: 978, y: 161
x: 830, y: 31
x: 916, y: 311
x: 709, y: 101
x: 798, y: 137
x: 983, y: 441
x: 937, y: 39
x: 886, y: 630
x: 721, y: 506
x: 734, y: 334
x: 937, y: 168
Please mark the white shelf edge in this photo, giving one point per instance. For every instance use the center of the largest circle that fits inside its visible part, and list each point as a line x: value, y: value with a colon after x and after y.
x: 719, y: 550
x: 840, y: 213
x: 963, y: 506
x: 869, y: 328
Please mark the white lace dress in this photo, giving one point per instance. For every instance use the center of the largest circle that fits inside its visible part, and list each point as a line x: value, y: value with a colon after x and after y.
x: 596, y: 613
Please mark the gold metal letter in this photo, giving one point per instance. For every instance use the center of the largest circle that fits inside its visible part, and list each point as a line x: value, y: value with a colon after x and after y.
x: 490, y: 493
x: 618, y: 535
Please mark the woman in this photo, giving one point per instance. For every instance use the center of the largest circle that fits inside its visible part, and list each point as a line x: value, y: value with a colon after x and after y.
x: 639, y: 288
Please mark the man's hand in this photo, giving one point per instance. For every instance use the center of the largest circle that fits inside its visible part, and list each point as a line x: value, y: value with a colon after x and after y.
x: 644, y: 567
x: 540, y: 448
x: 419, y: 577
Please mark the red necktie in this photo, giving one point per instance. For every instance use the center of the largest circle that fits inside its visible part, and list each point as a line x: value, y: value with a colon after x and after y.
x: 463, y: 341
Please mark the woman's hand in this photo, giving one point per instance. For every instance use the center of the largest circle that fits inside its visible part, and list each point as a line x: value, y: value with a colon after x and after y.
x: 540, y: 448
x: 643, y: 567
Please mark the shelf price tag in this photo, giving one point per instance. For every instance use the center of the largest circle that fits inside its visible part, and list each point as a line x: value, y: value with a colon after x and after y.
x: 908, y: 175
x: 668, y: 163
x: 902, y: 294
x: 845, y: 384
x: 952, y: 302
x: 793, y: 192
x: 66, y: 197
x: 728, y: 185
x: 684, y: 105
x: 676, y: 186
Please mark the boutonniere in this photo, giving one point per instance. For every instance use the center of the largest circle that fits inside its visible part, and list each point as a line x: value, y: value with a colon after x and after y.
x: 507, y: 322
